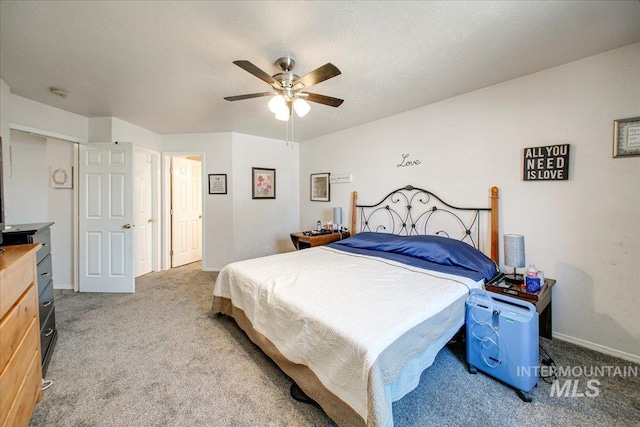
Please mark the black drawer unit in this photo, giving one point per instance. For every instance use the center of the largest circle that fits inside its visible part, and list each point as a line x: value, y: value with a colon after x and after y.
x: 44, y: 273
x: 45, y: 300
x: 20, y: 234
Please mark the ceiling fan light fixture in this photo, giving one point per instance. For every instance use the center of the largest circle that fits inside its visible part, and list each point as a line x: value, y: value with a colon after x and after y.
x: 301, y: 106
x: 286, y: 94
x: 277, y: 104
x: 283, y: 114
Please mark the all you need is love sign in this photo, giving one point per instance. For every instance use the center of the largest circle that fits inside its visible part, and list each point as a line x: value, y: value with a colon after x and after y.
x: 550, y: 163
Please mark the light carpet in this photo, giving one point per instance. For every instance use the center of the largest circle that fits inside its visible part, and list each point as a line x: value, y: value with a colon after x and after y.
x: 159, y: 358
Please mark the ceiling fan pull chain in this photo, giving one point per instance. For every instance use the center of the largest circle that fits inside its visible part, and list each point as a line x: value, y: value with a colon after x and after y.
x: 286, y: 127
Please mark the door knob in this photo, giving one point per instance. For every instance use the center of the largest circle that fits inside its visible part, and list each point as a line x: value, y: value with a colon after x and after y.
x: 127, y: 226
x: 150, y: 220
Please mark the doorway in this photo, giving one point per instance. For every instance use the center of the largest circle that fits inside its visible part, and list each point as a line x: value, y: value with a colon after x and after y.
x: 146, y: 231
x: 184, y: 204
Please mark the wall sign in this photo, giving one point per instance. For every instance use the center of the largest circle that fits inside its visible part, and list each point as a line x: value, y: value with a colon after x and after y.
x: 340, y: 178
x: 550, y: 163
x: 406, y: 162
x: 217, y: 183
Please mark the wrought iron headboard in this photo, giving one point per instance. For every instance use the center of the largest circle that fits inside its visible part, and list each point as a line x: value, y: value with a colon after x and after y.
x: 414, y: 211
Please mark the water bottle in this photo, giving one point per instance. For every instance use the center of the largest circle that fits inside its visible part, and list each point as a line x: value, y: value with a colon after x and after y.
x: 533, y: 280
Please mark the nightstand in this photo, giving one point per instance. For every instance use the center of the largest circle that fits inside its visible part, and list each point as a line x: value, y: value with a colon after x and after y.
x: 304, y: 241
x: 541, y: 300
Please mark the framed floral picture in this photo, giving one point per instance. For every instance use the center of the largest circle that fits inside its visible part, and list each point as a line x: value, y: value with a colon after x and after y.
x: 320, y: 190
x: 263, y: 183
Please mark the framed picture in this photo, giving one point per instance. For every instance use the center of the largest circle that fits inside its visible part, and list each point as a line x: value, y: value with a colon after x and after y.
x: 320, y: 190
x: 61, y: 177
x: 626, y: 137
x: 217, y: 183
x: 263, y: 183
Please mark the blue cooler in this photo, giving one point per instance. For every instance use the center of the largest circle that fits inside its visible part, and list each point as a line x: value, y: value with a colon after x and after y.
x: 502, y: 339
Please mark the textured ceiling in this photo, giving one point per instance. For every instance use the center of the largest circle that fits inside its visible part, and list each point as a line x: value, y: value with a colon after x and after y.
x: 166, y: 66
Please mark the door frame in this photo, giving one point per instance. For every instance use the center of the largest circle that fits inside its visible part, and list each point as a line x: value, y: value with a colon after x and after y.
x: 126, y: 281
x: 166, y: 203
x: 75, y: 266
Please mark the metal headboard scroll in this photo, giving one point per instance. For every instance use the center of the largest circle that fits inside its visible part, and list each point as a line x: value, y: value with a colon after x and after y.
x: 415, y: 211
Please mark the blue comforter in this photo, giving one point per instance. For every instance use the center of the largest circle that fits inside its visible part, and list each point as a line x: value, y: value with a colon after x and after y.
x: 430, y: 252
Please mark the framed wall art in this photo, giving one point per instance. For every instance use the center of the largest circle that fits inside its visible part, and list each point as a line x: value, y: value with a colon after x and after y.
x: 263, y: 183
x: 626, y: 137
x: 320, y: 189
x: 61, y: 177
x: 217, y: 183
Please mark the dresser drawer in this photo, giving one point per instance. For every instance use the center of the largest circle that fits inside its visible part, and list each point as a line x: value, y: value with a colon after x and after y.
x: 44, y: 238
x: 15, y: 324
x: 15, y: 280
x: 46, y: 301
x: 47, y: 332
x: 44, y: 273
x: 15, y: 372
x: 27, y: 396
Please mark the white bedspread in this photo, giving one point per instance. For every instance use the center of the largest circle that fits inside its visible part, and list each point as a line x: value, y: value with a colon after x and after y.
x: 336, y: 312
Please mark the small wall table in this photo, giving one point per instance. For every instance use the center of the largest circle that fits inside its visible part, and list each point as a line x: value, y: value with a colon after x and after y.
x: 302, y: 240
x: 541, y: 300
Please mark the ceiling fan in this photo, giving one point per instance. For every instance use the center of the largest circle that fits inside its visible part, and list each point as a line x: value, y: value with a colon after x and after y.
x: 288, y: 89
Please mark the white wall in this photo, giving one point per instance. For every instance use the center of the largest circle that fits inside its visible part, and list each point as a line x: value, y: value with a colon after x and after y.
x: 584, y: 232
x: 5, y: 115
x: 236, y: 226
x: 52, y: 121
x: 262, y: 226
x: 29, y: 199
x: 26, y: 190
x: 110, y: 129
x: 60, y: 208
x: 217, y: 239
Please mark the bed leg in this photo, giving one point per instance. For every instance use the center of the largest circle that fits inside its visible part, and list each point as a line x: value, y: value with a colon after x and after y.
x: 299, y: 395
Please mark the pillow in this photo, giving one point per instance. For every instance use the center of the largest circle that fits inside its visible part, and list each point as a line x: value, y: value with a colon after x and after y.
x: 437, y: 249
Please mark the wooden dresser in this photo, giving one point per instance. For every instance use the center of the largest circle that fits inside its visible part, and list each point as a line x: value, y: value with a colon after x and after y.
x: 20, y: 234
x: 20, y: 362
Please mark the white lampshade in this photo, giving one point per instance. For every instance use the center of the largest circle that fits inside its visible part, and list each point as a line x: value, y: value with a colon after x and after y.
x: 277, y: 104
x: 283, y: 114
x: 514, y: 250
x: 301, y: 106
x: 337, y: 216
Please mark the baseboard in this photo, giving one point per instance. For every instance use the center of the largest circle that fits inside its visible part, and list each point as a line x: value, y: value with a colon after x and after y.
x: 65, y: 287
x: 217, y: 270
x: 599, y: 348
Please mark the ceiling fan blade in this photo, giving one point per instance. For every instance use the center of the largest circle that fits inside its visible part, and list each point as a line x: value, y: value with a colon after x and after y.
x: 248, y: 96
x: 318, y: 75
x: 250, y: 68
x: 323, y: 99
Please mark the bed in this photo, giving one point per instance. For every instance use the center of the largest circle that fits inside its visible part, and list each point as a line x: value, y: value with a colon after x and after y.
x: 356, y: 322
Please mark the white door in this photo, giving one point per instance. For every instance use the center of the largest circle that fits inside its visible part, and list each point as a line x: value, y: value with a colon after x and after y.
x: 186, y: 211
x: 106, y: 218
x: 144, y: 220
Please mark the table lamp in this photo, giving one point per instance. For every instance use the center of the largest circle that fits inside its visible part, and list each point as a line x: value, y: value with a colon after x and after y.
x: 337, y: 218
x: 514, y: 257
